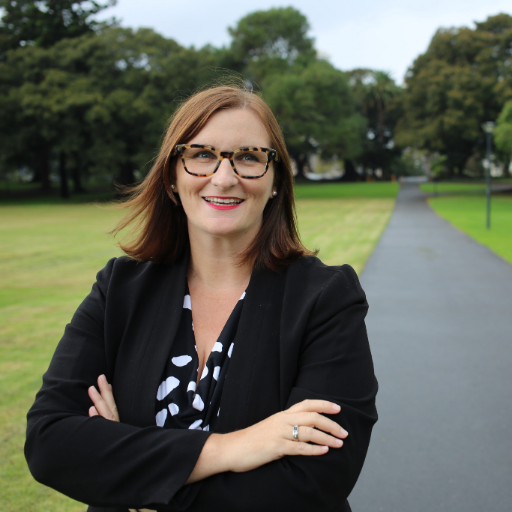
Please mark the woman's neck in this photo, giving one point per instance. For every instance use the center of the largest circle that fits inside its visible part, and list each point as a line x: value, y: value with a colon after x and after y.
x: 215, y: 264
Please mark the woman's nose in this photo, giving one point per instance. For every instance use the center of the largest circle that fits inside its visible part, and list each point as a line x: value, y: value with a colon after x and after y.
x: 225, y: 176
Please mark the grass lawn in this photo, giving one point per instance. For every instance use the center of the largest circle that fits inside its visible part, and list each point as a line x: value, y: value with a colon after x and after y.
x: 452, y: 187
x: 375, y: 190
x: 49, y: 255
x: 467, y: 213
x: 456, y: 186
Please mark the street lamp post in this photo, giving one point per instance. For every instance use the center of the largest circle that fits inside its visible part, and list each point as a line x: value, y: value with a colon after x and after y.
x: 488, y: 128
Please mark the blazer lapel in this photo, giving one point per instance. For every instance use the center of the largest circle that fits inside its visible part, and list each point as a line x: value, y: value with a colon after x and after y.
x: 237, y: 386
x: 159, y: 343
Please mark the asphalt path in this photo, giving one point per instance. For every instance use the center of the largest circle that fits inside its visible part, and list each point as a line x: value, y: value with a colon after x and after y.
x: 440, y: 328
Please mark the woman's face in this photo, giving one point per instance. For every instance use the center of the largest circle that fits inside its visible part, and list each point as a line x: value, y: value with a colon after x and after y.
x: 226, y: 130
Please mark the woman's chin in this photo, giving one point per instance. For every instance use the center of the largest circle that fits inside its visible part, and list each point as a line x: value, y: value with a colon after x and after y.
x: 227, y: 229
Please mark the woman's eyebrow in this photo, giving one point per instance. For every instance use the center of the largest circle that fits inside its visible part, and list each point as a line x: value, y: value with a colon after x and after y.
x: 234, y: 148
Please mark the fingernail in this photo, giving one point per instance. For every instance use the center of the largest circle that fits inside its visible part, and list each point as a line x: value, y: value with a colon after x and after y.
x: 103, y: 378
x: 344, y: 432
x: 336, y: 407
x: 339, y: 442
x: 94, y: 390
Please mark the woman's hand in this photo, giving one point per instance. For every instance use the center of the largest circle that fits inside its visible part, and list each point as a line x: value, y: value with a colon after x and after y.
x: 272, y: 439
x: 104, y: 403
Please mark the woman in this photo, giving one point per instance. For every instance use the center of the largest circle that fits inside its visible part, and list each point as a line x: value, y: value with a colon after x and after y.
x: 237, y: 359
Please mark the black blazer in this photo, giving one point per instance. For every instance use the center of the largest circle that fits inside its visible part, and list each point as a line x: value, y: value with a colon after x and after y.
x: 301, y: 335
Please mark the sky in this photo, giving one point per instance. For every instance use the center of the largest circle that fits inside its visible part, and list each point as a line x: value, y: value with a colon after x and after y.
x: 386, y: 35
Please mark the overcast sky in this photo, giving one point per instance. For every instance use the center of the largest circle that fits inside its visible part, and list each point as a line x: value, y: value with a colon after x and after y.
x: 386, y: 35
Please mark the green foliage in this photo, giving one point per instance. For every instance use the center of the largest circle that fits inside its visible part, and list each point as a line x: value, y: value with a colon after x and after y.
x: 317, y: 113
x: 272, y: 41
x: 100, y: 100
x: 461, y: 81
x: 438, y: 166
x: 409, y: 163
x: 43, y: 23
x: 96, y: 104
x: 503, y: 131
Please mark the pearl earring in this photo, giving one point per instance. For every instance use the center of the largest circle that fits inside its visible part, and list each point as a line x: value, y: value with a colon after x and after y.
x: 274, y: 193
x: 172, y: 186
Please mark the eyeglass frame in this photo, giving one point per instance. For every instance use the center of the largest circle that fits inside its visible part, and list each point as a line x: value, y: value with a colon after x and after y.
x: 271, y: 153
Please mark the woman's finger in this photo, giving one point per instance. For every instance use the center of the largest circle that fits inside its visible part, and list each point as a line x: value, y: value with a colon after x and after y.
x: 316, y: 420
x: 312, y: 435
x: 299, y: 448
x: 107, y: 395
x: 93, y: 411
x: 100, y: 404
x: 322, y: 406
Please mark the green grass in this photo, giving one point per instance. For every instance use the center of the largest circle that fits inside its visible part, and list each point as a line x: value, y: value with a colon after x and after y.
x: 452, y: 187
x: 464, y: 186
x: 49, y: 255
x: 345, y: 230
x: 467, y: 213
x: 375, y: 190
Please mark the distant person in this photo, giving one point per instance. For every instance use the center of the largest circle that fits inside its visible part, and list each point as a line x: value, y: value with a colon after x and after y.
x: 229, y: 359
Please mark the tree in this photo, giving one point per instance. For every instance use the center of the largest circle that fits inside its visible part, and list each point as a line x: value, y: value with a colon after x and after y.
x: 461, y: 81
x: 272, y: 41
x: 317, y: 113
x: 43, y: 23
x: 95, y: 104
x: 378, y: 99
x: 27, y: 24
x: 503, y: 135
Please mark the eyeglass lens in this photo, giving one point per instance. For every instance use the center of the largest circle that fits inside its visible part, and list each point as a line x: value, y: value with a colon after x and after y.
x: 203, y: 161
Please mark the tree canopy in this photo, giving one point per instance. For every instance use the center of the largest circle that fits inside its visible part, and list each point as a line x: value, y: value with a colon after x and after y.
x: 82, y: 99
x: 272, y: 41
x: 378, y: 100
x: 503, y: 131
x: 45, y: 22
x: 461, y: 81
x: 317, y: 113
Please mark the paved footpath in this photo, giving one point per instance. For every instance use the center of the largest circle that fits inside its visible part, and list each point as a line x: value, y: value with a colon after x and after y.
x: 440, y: 327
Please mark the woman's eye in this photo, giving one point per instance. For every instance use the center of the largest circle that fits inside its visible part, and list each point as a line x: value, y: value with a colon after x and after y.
x: 204, y: 155
x: 247, y: 157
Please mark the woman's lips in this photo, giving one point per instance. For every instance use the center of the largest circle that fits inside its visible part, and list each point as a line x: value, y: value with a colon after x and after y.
x: 223, y: 203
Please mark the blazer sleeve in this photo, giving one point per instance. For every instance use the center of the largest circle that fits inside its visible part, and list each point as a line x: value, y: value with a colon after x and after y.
x: 93, y: 460
x: 335, y: 364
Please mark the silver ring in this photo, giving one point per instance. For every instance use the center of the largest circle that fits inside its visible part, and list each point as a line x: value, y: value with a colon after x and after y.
x: 295, y: 433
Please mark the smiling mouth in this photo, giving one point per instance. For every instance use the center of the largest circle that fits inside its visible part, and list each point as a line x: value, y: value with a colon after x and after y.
x: 224, y: 201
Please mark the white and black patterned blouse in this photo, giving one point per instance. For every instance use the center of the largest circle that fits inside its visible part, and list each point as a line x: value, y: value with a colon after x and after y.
x: 179, y: 404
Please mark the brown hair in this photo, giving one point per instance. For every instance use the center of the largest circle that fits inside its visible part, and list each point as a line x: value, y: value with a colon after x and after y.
x: 158, y: 222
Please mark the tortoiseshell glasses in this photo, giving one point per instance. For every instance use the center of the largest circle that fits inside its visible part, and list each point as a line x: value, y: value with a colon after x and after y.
x: 203, y: 161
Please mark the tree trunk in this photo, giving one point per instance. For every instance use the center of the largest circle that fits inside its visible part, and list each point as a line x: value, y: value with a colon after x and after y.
x: 76, y: 177
x: 42, y: 169
x: 380, y: 109
x: 64, y: 186
x: 301, y: 162
x: 126, y: 176
x: 506, y: 166
x: 350, y: 172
